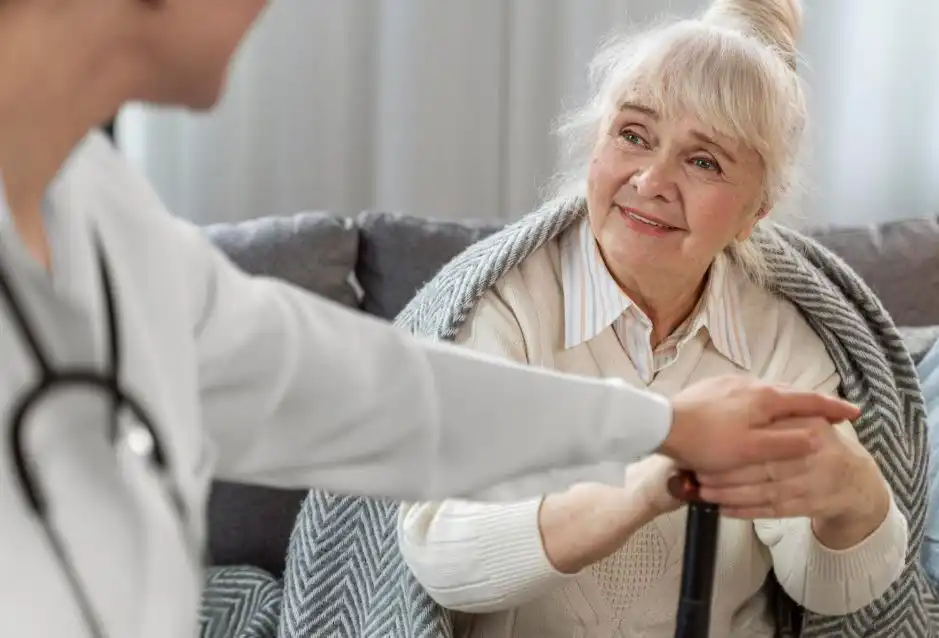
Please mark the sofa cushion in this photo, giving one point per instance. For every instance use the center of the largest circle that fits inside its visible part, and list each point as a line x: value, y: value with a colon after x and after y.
x: 316, y: 251
x: 900, y: 262
x: 399, y: 253
x: 251, y: 525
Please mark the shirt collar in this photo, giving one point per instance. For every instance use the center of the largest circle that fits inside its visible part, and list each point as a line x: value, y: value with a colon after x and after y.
x: 593, y: 300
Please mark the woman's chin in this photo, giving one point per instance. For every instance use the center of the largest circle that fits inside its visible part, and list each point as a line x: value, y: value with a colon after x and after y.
x: 630, y: 254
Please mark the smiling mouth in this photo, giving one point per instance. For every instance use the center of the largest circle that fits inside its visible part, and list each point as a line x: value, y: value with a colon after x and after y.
x: 628, y: 212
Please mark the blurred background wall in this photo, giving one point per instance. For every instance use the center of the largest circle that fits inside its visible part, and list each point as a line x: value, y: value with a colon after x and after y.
x: 444, y: 108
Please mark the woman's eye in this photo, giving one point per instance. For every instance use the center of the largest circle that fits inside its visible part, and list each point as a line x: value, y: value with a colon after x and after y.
x: 632, y: 138
x: 706, y: 163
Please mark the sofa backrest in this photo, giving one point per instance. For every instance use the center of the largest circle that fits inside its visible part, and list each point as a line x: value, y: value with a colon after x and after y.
x: 314, y: 250
x: 398, y: 254
x: 377, y: 261
x: 900, y: 262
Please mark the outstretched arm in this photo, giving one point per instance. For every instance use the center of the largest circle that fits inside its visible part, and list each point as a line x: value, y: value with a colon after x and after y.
x: 298, y: 391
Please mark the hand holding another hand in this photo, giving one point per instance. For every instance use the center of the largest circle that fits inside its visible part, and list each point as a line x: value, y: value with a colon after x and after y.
x: 724, y: 428
x: 838, y: 486
x: 725, y: 423
x: 762, y: 451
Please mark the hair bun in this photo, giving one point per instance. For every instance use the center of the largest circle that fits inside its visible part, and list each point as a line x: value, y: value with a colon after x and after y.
x: 778, y: 23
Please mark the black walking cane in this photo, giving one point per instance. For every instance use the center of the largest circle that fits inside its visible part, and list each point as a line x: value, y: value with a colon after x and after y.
x: 697, y: 571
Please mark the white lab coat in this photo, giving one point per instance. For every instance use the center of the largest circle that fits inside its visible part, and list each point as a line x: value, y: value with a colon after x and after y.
x: 249, y: 380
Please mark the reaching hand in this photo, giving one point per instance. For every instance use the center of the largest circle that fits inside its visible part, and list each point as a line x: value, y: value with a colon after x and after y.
x: 724, y: 423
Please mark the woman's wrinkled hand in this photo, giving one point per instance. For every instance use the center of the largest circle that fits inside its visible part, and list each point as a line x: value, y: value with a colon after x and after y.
x: 838, y: 482
x: 590, y: 521
x: 648, y: 480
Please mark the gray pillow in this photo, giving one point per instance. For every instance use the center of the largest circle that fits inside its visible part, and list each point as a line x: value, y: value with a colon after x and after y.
x: 899, y: 261
x: 399, y: 253
x: 316, y: 251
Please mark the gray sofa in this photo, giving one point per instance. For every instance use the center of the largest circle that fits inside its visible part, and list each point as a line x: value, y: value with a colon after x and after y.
x: 376, y: 261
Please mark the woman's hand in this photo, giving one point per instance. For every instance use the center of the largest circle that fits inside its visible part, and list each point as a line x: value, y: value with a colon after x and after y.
x: 648, y: 480
x: 589, y: 521
x: 838, y: 486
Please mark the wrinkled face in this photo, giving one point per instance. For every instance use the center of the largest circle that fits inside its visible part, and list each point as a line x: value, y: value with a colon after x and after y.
x: 187, y: 46
x: 669, y: 194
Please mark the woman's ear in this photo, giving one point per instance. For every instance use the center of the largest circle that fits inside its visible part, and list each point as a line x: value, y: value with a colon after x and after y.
x: 747, y: 230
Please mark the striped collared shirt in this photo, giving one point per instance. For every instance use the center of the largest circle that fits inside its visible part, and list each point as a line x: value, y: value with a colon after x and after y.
x: 593, y: 301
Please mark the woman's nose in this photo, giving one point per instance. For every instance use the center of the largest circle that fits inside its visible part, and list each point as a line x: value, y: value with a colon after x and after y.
x: 654, y: 181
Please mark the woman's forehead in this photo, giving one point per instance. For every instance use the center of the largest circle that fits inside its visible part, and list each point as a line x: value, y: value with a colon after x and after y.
x: 730, y: 98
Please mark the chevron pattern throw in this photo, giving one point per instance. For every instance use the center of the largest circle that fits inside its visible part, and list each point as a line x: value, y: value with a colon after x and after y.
x: 345, y: 576
x: 239, y: 602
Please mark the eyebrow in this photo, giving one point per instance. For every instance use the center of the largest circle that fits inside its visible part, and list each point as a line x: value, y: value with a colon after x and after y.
x: 701, y: 137
x: 634, y: 106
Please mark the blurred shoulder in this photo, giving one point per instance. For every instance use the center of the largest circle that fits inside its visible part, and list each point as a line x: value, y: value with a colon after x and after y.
x: 99, y: 178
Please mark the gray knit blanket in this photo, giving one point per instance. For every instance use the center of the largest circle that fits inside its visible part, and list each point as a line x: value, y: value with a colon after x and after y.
x: 346, y: 577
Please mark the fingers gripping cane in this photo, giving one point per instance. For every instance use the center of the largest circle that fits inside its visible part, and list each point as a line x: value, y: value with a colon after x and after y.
x: 697, y: 574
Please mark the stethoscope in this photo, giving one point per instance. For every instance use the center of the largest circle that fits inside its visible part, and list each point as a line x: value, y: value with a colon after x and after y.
x: 141, y: 438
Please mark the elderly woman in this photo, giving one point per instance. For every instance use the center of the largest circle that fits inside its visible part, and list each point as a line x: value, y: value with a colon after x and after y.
x: 693, y: 135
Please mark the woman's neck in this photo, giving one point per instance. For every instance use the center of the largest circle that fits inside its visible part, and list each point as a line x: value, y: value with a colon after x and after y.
x: 666, y: 301
x: 51, y: 95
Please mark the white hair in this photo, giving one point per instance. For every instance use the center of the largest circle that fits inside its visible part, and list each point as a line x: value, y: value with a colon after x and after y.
x: 733, y: 68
